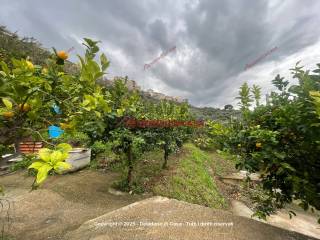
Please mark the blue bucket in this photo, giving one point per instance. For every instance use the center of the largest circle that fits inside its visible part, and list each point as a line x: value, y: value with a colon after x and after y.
x: 55, y: 131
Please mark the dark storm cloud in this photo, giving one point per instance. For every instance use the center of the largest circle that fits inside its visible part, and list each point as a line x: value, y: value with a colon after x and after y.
x: 214, y: 39
x: 158, y: 31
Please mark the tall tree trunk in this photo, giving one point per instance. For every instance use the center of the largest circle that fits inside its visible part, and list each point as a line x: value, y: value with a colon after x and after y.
x: 17, y: 146
x: 166, y: 155
x: 130, y: 165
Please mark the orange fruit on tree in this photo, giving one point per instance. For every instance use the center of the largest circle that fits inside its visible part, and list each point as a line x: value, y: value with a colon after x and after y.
x: 258, y: 145
x: 8, y: 114
x: 25, y: 108
x: 62, y: 54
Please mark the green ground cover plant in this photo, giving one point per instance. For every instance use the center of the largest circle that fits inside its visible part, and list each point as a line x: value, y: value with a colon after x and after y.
x: 191, y: 181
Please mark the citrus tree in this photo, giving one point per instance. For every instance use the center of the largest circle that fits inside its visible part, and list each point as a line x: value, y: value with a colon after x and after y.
x: 123, y: 104
x: 129, y: 142
x: 29, y: 92
x: 166, y: 137
x: 280, y: 140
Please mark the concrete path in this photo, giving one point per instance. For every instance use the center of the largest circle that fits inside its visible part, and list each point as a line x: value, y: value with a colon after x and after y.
x: 160, y: 218
x: 62, y: 204
x: 238, y: 177
x: 304, y: 222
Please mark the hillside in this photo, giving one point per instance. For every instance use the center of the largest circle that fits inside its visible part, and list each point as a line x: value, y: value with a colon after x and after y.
x: 13, y: 46
x: 210, y: 113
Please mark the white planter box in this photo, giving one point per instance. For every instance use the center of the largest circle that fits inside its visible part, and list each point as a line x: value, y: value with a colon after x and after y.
x: 78, y: 158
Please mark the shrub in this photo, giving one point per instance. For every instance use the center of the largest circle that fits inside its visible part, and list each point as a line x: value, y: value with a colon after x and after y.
x: 75, y: 139
x: 102, y: 155
x: 50, y: 160
x: 281, y: 141
x: 26, y: 161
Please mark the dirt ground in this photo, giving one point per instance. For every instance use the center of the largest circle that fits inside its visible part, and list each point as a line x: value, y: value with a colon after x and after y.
x: 62, y: 204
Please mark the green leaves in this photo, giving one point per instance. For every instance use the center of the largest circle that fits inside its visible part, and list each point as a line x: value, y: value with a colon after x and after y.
x: 45, y: 154
x: 57, y: 156
x: 120, y: 112
x: 43, y: 173
x: 51, y: 159
x: 256, y: 91
x: 64, y: 147
x: 92, y: 48
x: 7, y: 103
x: 280, y: 83
x: 90, y: 71
x: 245, y: 97
x: 285, y: 147
x: 96, y: 103
x: 5, y: 70
x: 36, y: 165
x: 104, y: 62
x: 61, y: 166
x: 315, y: 95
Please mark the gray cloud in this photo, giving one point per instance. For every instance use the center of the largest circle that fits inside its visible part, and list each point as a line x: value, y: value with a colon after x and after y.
x: 214, y: 39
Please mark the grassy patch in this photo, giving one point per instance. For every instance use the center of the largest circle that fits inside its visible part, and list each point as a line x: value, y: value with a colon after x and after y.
x: 222, y: 163
x: 187, y: 177
x: 145, y: 170
x: 191, y: 180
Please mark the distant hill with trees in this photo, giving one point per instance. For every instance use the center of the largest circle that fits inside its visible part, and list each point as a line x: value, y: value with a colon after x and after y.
x: 210, y: 113
x: 13, y: 46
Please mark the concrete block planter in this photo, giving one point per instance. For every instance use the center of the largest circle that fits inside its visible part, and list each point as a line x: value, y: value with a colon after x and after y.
x: 78, y: 158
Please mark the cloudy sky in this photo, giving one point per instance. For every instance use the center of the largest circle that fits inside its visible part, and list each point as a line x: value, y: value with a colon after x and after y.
x: 214, y: 39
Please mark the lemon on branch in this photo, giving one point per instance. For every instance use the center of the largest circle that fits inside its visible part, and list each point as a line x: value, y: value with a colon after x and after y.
x: 8, y: 114
x: 25, y: 108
